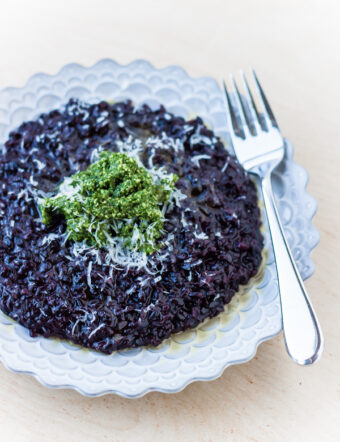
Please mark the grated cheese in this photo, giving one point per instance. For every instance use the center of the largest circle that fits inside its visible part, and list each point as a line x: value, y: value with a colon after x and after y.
x: 49, y: 238
x: 96, y: 329
x: 196, y: 158
x: 89, y: 270
x: 224, y: 168
x: 198, y: 138
x: 75, y: 325
x: 95, y: 154
x: 32, y: 182
x: 69, y: 191
x: 40, y: 165
x: 196, y: 263
x: 201, y: 235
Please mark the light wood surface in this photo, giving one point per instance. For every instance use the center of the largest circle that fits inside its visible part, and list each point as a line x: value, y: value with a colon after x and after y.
x: 295, y: 49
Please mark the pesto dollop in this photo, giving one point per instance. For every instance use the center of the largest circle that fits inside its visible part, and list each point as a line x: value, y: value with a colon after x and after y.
x: 113, y: 197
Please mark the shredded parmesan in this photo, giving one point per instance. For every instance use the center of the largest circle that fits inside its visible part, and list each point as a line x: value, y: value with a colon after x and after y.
x: 49, y: 238
x: 196, y: 263
x: 89, y: 270
x: 66, y: 189
x: 32, y: 182
x: 96, y: 329
x: 201, y: 235
x: 196, y: 158
x: 40, y: 165
x: 224, y: 168
x: 75, y: 325
x: 95, y: 154
x: 198, y: 138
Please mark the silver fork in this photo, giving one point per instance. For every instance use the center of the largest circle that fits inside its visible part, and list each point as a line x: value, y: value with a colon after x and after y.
x: 259, y: 147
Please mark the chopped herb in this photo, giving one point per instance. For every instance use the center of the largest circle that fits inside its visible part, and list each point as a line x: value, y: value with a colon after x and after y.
x: 114, y: 196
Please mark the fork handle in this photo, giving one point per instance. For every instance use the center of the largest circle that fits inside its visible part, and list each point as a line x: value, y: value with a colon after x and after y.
x: 302, y: 334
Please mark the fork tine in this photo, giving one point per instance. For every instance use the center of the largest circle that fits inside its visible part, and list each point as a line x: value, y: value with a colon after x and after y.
x: 231, y: 114
x: 241, y: 108
x: 252, y: 106
x: 268, y: 112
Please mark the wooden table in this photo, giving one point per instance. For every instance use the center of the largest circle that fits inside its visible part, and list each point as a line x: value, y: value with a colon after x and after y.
x: 295, y: 49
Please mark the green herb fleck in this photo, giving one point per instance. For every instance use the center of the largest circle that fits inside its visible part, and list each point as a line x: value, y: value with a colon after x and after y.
x: 112, y: 197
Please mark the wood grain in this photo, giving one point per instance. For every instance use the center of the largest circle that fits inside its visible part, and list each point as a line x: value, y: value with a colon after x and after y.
x: 295, y: 49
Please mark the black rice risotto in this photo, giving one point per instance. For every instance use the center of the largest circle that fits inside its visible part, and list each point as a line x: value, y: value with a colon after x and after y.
x: 114, y: 299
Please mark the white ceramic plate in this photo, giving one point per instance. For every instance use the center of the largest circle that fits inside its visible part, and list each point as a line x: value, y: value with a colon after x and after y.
x: 200, y: 354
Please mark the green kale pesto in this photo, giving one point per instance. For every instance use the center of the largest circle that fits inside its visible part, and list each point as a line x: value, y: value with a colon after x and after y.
x: 113, y: 197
